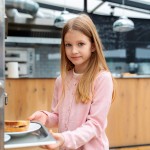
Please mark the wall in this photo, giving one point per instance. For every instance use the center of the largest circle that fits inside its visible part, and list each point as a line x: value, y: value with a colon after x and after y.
x: 47, y: 61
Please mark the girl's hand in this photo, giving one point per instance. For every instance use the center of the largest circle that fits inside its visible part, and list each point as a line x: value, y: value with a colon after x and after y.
x: 38, y: 116
x: 59, y: 141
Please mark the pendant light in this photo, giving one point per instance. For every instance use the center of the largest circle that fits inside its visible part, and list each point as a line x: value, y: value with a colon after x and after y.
x: 63, y: 18
x: 123, y: 24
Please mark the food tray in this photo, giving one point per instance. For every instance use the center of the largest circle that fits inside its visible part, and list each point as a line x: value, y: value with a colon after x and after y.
x: 38, y: 137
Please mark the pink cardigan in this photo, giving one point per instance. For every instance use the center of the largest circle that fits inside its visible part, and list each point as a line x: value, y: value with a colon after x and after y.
x: 82, y: 125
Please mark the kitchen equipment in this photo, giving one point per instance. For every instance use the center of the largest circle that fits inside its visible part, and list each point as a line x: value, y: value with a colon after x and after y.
x: 144, y: 68
x: 2, y: 97
x: 133, y: 67
x: 24, y: 56
x: 13, y: 70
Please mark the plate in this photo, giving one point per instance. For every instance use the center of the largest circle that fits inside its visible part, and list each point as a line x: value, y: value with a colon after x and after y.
x: 32, y: 127
x: 6, y: 137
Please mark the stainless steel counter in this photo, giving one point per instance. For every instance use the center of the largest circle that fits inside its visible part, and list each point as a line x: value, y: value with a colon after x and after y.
x: 132, y: 76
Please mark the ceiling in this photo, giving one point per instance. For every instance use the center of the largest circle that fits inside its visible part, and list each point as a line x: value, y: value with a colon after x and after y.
x: 130, y: 8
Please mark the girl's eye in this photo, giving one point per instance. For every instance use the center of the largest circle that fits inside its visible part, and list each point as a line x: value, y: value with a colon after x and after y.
x: 67, y: 45
x: 81, y: 44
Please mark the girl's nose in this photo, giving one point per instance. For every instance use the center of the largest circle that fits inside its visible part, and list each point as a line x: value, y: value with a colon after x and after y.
x: 74, y: 50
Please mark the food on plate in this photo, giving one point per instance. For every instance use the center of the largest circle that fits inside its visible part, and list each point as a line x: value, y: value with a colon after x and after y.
x: 16, y: 125
x: 127, y: 74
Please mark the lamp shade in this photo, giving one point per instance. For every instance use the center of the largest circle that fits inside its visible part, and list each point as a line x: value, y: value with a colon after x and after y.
x: 63, y: 18
x: 123, y: 24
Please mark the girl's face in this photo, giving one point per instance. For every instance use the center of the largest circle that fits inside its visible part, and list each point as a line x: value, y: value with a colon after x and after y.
x: 78, y: 48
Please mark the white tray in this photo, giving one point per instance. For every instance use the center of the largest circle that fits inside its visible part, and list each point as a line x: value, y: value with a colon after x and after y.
x: 38, y: 137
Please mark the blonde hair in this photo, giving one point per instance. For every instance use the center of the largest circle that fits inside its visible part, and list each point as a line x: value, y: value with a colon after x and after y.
x: 84, y: 24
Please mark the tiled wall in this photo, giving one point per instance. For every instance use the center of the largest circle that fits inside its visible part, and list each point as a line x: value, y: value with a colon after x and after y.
x: 47, y: 61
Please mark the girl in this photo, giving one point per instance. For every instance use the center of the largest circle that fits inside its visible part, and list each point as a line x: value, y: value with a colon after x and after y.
x: 83, y: 93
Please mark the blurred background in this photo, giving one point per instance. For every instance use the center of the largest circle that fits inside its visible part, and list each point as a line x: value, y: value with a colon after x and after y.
x: 33, y: 37
x: 32, y: 60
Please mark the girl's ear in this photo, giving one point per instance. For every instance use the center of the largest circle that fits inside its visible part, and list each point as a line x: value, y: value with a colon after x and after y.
x: 93, y: 47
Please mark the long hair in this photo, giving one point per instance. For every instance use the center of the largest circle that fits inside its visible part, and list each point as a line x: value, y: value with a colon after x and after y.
x: 85, y: 25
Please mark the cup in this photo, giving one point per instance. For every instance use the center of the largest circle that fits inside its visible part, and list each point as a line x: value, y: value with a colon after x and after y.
x: 13, y: 69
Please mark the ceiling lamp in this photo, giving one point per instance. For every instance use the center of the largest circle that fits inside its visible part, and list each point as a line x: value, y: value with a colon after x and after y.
x: 123, y: 24
x: 63, y: 18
